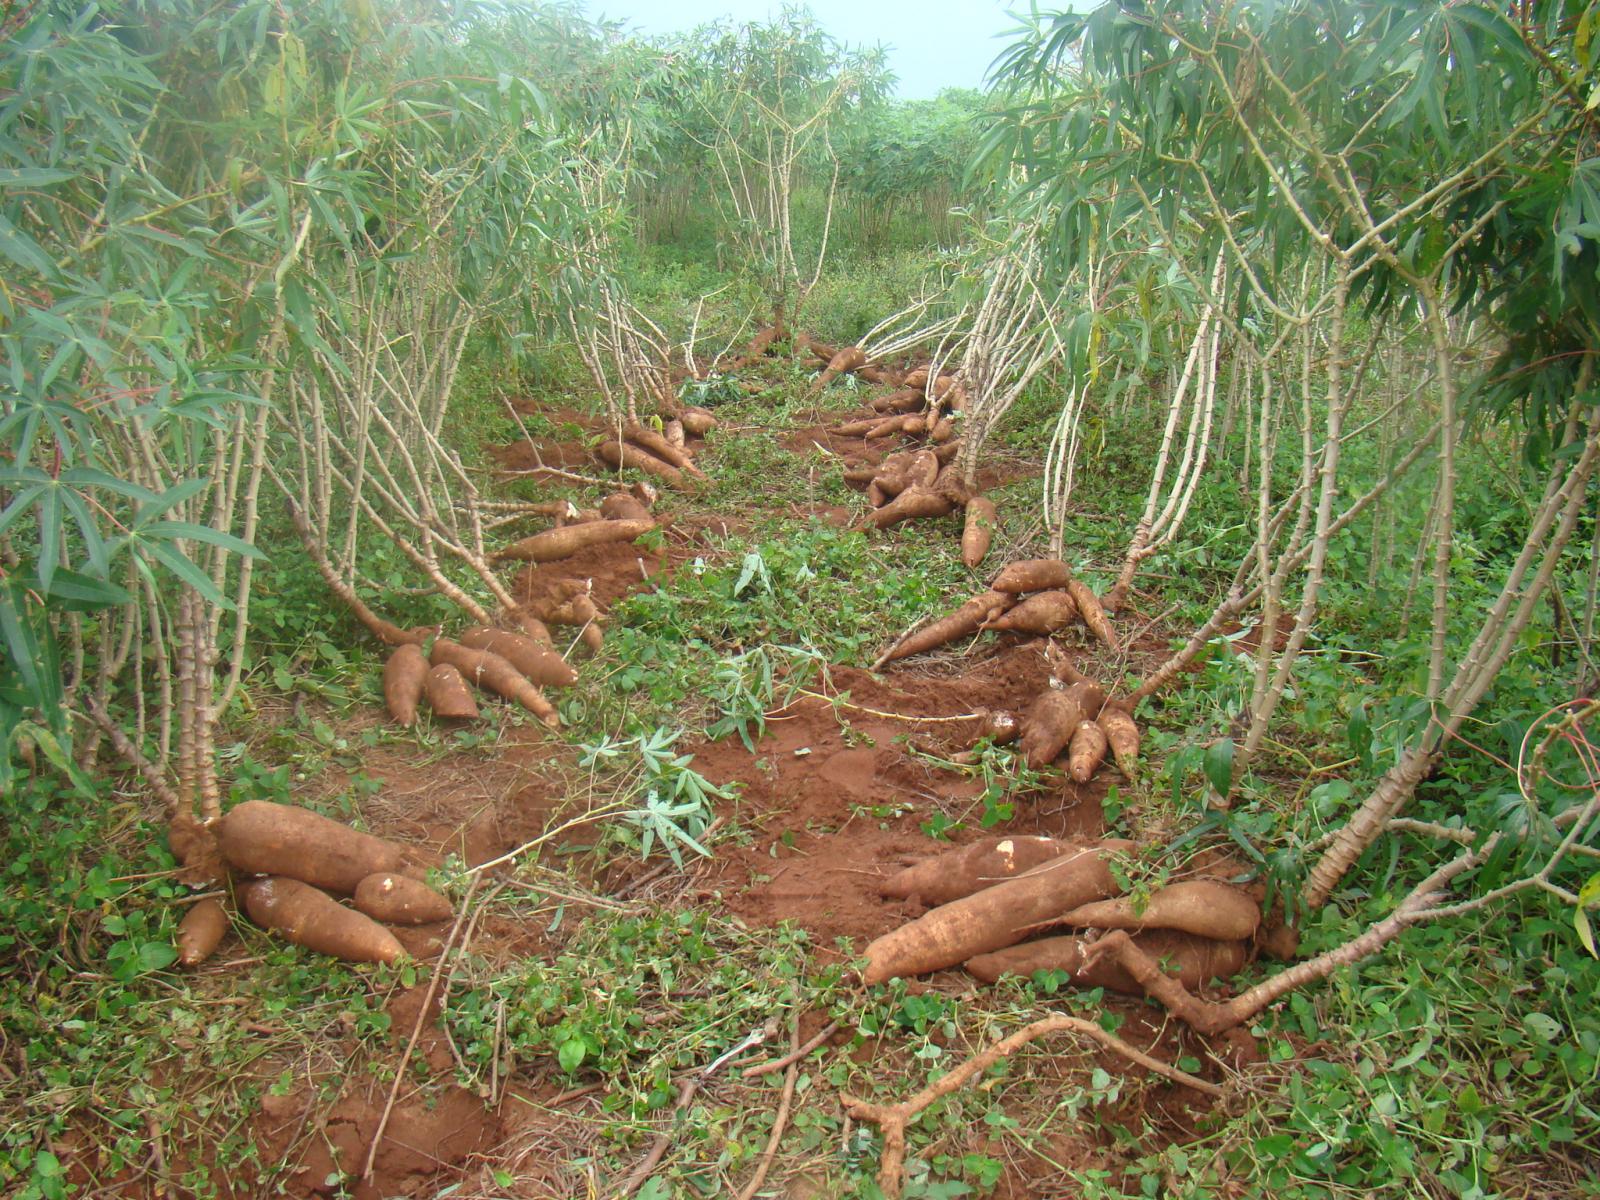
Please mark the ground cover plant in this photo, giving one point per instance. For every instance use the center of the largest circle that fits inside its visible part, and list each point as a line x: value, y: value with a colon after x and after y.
x: 593, y: 615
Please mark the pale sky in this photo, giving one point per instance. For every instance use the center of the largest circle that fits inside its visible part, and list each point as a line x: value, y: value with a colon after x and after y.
x: 933, y: 44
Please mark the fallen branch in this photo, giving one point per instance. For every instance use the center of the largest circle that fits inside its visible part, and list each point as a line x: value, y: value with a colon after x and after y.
x: 893, y: 1119
x: 781, y: 1121
x: 794, y: 1055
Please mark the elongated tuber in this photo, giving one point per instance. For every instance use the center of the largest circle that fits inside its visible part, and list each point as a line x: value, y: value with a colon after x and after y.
x: 400, y: 900
x: 1086, y: 751
x: 449, y: 694
x: 982, y: 517
x: 1041, y: 614
x: 259, y: 837
x: 1195, y: 961
x: 543, y: 666
x: 1093, y: 615
x: 1122, y: 732
x: 1207, y: 907
x: 315, y: 920
x: 963, y: 621
x: 554, y: 544
x: 961, y: 872
x: 404, y: 677
x: 1033, y: 575
x: 1048, y: 725
x: 620, y: 454
x: 488, y: 670
x: 200, y: 931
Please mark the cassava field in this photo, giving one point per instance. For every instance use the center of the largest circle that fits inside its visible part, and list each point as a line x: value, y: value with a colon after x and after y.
x: 596, y: 616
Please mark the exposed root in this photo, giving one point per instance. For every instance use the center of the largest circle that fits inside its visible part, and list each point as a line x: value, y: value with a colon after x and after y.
x: 894, y: 1119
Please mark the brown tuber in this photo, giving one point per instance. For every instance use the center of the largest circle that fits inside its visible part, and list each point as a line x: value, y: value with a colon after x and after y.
x: 1086, y: 751
x: 1206, y: 907
x: 449, y: 695
x: 1048, y: 725
x: 982, y: 518
x: 624, y: 506
x: 1093, y: 615
x: 957, y: 873
x: 400, y: 900
x: 1033, y: 575
x: 313, y: 919
x: 404, y: 676
x: 488, y: 670
x: 259, y: 837
x: 201, y: 929
x: 542, y: 666
x: 1041, y: 614
x: 554, y: 544
x: 1122, y: 732
x: 963, y: 621
x: 619, y: 455
x: 1195, y: 961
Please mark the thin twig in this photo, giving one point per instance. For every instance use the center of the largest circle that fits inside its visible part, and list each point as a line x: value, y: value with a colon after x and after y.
x: 794, y: 1055
x: 782, y: 1119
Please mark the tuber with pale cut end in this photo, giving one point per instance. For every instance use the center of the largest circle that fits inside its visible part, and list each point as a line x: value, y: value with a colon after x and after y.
x: 698, y: 421
x: 624, y: 507
x: 1194, y: 961
x: 554, y: 544
x: 673, y: 432
x: 1048, y: 725
x: 1086, y: 751
x: 449, y: 695
x: 1205, y: 907
x: 996, y: 917
x: 313, y: 919
x: 200, y: 931
x: 543, y: 666
x: 909, y: 505
x: 654, y: 443
x: 957, y: 873
x: 404, y: 676
x: 1122, y: 732
x: 982, y: 517
x: 488, y: 670
x: 620, y: 454
x: 1033, y: 575
x: 1093, y: 615
x: 259, y: 837
x: 963, y: 621
x: 1041, y: 614
x: 400, y: 900
x: 1001, y: 728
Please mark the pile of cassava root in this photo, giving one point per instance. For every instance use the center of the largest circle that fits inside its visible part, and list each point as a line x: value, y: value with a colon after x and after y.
x: 992, y: 896
x: 666, y: 454
x: 290, y: 863
x: 518, y: 664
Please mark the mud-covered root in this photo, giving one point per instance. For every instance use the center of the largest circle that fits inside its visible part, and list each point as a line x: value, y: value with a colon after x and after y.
x: 912, y: 504
x: 1093, y: 615
x: 1086, y: 751
x: 978, y: 532
x: 555, y: 544
x: 489, y: 671
x: 1000, y: 727
x: 1040, y: 614
x: 969, y: 869
x: 624, y: 506
x: 620, y: 454
x: 400, y: 900
x: 1190, y: 960
x: 1122, y: 734
x: 404, y: 677
x: 1052, y: 719
x: 995, y: 917
x: 259, y: 837
x: 542, y: 666
x: 698, y: 421
x: 847, y: 359
x: 659, y: 445
x: 1033, y: 575
x: 963, y: 622
x: 1203, y: 907
x: 450, y: 695
x: 903, y: 401
x: 313, y: 919
x: 200, y: 931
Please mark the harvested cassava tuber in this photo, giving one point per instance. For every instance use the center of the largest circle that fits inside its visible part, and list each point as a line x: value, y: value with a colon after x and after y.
x: 957, y: 873
x: 488, y: 670
x: 449, y: 695
x: 578, y: 609
x: 1122, y: 732
x: 624, y: 507
x: 1049, y: 724
x: 1001, y: 728
x: 1093, y: 615
x: 923, y: 468
x: 982, y: 517
x: 543, y: 666
x: 1041, y: 614
x: 910, y: 504
x: 620, y: 454
x: 905, y: 400
x: 200, y: 931
x: 1086, y: 751
x: 1206, y: 907
x: 963, y: 621
x: 847, y: 359
x: 315, y: 920
x: 259, y: 837
x: 998, y: 916
x: 1033, y: 575
x: 554, y: 544
x: 942, y: 430
x: 1194, y: 960
x: 404, y: 676
x: 400, y: 900
x: 673, y: 432
x: 654, y: 443
x: 698, y: 421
